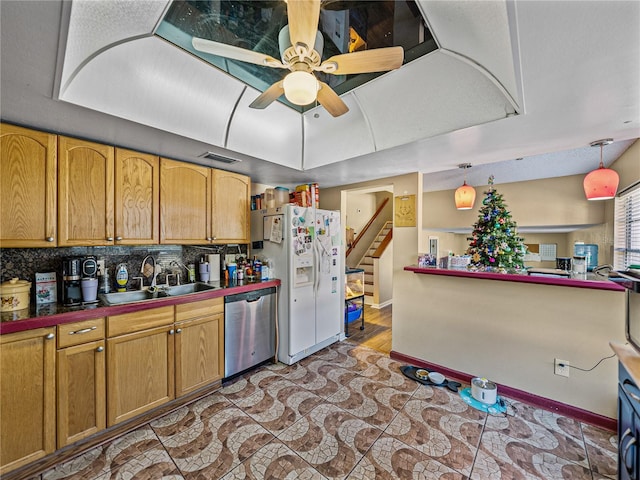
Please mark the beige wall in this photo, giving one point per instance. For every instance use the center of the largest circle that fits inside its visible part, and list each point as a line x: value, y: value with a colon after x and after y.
x: 360, y: 208
x: 536, y: 203
x: 552, y: 202
x: 511, y: 332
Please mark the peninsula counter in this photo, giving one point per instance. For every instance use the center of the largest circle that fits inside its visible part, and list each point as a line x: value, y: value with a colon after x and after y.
x: 511, y: 328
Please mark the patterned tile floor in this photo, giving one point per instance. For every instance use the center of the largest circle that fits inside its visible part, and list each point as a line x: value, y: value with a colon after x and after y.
x: 347, y: 412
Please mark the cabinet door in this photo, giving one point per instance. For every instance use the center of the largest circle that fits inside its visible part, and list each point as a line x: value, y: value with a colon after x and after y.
x: 628, y: 424
x: 231, y: 207
x: 140, y: 372
x: 199, y: 353
x: 27, y: 397
x: 185, y: 203
x: 137, y: 198
x: 85, y: 193
x: 28, y: 198
x: 81, y: 391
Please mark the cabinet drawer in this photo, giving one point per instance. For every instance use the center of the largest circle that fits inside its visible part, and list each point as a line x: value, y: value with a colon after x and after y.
x: 199, y: 309
x: 137, y: 321
x: 80, y: 332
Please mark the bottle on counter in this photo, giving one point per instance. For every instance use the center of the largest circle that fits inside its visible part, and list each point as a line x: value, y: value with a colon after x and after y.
x: 122, y: 277
x: 191, y: 268
x: 265, y: 270
x: 104, y: 285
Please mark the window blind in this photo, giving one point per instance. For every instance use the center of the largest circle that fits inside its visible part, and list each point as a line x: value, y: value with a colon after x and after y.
x: 626, y: 235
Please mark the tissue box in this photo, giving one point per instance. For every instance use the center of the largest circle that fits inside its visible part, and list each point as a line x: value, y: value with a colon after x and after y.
x: 46, y: 289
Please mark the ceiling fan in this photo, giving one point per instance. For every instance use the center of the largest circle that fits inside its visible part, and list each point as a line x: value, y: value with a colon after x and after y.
x: 301, y: 47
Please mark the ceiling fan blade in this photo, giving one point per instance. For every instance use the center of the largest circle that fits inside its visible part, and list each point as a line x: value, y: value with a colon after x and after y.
x: 331, y: 101
x: 303, y: 21
x: 235, y: 53
x: 376, y: 60
x: 268, y: 96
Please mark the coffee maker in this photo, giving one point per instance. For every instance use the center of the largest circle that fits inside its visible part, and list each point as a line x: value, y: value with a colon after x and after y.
x: 89, y: 281
x: 71, y: 275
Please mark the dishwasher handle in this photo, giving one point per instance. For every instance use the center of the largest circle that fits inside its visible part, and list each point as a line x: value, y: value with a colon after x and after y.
x: 253, y: 296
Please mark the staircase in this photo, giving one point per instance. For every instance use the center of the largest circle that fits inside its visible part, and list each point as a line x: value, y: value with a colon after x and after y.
x: 367, y: 262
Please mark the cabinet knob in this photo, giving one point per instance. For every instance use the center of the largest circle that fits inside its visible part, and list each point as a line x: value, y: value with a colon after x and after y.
x: 51, y: 336
x: 109, y: 239
x: 171, y: 332
x: 179, y: 330
x: 214, y: 238
x: 209, y: 239
x: 100, y: 349
x: 118, y: 238
x: 49, y: 239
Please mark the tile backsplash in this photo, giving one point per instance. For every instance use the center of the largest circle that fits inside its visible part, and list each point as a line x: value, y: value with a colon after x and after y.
x: 24, y: 263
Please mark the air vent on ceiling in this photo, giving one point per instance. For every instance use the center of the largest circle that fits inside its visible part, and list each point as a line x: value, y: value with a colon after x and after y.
x: 218, y: 158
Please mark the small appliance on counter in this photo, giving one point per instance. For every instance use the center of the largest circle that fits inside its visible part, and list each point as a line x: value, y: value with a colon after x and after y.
x: 71, y: 281
x: 89, y: 281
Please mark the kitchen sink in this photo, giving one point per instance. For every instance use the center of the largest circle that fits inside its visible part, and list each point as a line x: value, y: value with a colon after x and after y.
x: 188, y: 288
x: 135, y: 296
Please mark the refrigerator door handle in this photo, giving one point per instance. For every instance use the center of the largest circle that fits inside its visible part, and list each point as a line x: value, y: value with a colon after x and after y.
x: 316, y: 265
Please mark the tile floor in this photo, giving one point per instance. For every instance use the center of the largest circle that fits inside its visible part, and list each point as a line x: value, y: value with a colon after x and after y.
x: 347, y: 412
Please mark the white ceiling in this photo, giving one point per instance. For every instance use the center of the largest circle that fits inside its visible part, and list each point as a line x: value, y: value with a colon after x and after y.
x: 570, y: 69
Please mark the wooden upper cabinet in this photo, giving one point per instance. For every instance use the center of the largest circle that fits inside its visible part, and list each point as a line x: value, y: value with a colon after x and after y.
x: 27, y: 188
x: 137, y: 198
x: 231, y: 207
x: 85, y: 193
x: 185, y: 203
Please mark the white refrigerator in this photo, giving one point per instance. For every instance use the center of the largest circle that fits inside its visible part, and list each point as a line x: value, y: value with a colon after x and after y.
x: 304, y: 248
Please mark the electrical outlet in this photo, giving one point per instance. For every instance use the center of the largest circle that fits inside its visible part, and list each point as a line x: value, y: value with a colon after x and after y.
x: 100, y: 267
x: 561, y: 367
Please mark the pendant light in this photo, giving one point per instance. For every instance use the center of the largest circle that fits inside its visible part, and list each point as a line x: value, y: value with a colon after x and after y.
x: 465, y: 195
x: 602, y: 183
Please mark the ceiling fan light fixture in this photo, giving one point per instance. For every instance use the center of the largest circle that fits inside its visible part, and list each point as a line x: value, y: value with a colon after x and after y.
x: 601, y: 183
x: 300, y: 88
x: 465, y: 195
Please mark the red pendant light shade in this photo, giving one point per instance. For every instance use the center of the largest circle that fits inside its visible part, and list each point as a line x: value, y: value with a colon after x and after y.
x: 465, y: 195
x: 602, y: 183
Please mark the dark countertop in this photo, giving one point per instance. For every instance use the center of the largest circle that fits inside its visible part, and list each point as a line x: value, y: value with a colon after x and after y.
x: 507, y: 277
x: 51, y: 314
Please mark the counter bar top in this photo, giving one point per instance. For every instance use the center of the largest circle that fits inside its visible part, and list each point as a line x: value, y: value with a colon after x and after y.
x: 628, y: 357
x: 507, y: 277
x: 52, y: 314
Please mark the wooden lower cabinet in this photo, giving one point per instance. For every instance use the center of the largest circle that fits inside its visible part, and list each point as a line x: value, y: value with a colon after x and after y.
x: 199, y: 344
x: 140, y: 363
x: 27, y: 397
x: 81, y: 382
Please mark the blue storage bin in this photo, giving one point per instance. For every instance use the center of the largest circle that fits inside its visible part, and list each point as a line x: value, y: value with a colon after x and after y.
x: 354, y: 314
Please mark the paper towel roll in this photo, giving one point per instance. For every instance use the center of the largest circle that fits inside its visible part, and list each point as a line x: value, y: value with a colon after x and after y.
x: 214, y: 267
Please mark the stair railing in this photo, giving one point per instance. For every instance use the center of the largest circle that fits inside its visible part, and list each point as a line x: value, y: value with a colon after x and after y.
x: 366, y: 227
x: 383, y: 244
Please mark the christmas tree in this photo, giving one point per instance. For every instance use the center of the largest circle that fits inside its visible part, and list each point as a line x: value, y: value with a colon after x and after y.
x: 495, y: 245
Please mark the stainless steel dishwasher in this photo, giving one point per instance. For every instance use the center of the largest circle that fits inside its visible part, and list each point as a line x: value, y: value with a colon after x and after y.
x: 249, y: 329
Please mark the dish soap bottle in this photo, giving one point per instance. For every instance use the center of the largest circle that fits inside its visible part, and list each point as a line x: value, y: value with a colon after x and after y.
x: 122, y: 276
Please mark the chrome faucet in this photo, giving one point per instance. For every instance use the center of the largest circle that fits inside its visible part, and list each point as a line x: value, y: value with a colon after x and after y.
x: 152, y: 262
x: 177, y: 264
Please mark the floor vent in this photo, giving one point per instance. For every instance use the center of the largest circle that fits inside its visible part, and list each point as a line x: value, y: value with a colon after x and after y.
x: 218, y: 158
